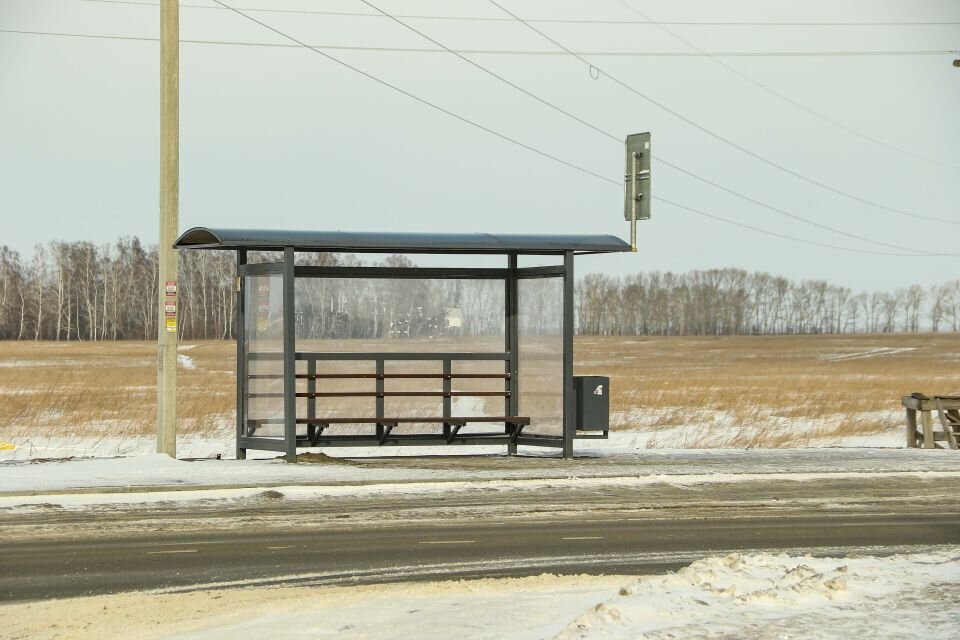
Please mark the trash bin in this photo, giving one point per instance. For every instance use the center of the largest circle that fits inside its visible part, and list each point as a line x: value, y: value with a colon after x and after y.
x: 592, y: 397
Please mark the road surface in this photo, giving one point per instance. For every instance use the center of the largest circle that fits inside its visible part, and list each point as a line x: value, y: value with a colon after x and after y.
x: 269, y: 539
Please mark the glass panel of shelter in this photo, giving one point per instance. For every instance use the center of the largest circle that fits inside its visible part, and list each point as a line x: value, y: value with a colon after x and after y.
x: 372, y: 318
x: 263, y: 352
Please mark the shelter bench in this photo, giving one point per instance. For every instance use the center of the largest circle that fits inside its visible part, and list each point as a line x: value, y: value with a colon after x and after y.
x: 451, y: 427
x: 317, y: 434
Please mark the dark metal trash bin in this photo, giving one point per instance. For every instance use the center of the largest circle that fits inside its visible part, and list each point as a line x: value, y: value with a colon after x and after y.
x: 592, y: 397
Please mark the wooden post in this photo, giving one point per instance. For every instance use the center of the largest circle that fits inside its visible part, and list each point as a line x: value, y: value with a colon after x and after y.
x: 169, y: 213
x: 927, y: 420
x: 911, y: 428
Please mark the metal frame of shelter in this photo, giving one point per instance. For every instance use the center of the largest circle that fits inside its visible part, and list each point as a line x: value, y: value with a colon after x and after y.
x: 509, y: 246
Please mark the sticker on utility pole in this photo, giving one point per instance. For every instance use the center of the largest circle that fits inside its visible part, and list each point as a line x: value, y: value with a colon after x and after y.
x: 172, y: 325
x: 170, y: 286
x: 170, y: 308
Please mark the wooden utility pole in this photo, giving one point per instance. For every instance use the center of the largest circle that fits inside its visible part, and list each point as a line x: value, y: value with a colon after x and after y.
x: 169, y: 223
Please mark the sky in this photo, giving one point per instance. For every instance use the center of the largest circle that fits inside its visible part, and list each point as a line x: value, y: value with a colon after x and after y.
x: 282, y: 137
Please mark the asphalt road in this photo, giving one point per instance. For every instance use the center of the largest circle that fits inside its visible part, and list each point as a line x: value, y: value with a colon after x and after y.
x: 54, y: 552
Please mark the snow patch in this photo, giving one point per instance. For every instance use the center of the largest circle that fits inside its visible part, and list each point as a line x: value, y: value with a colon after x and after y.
x: 186, y: 362
x: 777, y: 596
x: 869, y: 353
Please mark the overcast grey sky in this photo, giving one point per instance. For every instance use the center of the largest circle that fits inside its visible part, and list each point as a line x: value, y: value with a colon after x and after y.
x: 281, y: 137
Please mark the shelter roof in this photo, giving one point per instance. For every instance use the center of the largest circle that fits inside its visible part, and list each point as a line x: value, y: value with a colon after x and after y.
x: 384, y: 242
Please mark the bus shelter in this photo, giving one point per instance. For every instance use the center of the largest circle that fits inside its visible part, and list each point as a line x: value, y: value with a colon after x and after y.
x: 342, y: 352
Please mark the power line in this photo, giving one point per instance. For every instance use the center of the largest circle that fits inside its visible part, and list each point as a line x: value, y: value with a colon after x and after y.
x: 538, y: 151
x: 413, y: 96
x: 721, y: 138
x: 607, y: 134
x: 775, y: 234
x: 498, y: 52
x: 781, y: 96
x: 609, y: 21
x: 617, y: 139
x: 546, y: 155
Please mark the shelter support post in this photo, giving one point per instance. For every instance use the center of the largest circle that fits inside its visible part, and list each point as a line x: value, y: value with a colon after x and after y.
x: 312, y: 399
x: 569, y: 419
x: 242, y: 377
x: 511, y: 330
x: 289, y: 359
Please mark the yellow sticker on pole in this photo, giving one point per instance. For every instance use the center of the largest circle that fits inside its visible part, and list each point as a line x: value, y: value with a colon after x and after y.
x: 172, y: 325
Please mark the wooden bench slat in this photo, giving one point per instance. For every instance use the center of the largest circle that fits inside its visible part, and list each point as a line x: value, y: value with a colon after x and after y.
x: 388, y: 394
x: 384, y: 376
x: 403, y: 376
x: 507, y: 419
x: 397, y: 394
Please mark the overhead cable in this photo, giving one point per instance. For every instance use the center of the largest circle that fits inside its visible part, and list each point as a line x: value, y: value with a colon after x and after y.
x: 607, y: 21
x: 618, y: 139
x: 532, y: 149
x: 715, y: 58
x: 721, y: 138
x: 607, y: 134
x: 495, y: 52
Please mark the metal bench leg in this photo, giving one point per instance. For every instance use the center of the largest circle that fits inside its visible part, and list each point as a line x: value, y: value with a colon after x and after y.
x: 452, y: 432
x: 387, y: 428
x: 315, y: 431
x: 516, y: 429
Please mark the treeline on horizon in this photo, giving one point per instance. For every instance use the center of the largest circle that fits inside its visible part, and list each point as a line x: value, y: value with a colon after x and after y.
x: 83, y: 291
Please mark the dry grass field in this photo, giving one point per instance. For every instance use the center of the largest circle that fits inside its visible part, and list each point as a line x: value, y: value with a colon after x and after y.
x: 695, y: 392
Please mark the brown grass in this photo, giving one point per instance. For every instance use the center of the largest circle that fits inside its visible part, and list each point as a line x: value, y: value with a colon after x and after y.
x: 833, y: 383
x: 107, y: 388
x: 100, y: 389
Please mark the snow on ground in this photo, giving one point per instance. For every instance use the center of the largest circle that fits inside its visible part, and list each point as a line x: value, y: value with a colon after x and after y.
x: 869, y: 353
x: 158, y: 477
x: 709, y: 432
x: 742, y: 595
x: 669, y: 428
x: 364, y: 488
x: 777, y: 596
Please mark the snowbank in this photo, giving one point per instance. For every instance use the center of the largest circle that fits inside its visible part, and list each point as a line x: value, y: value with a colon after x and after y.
x: 778, y: 596
x: 749, y: 596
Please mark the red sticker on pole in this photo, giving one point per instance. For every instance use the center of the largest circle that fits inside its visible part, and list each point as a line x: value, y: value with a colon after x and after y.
x: 170, y: 307
x: 171, y: 287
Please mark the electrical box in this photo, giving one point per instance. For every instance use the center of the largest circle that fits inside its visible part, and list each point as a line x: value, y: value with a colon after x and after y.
x: 592, y: 397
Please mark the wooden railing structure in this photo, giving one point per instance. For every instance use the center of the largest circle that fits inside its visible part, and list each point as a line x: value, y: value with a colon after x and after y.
x: 948, y: 417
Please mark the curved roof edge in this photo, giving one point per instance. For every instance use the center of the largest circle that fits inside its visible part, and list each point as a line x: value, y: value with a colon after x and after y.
x: 384, y: 242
